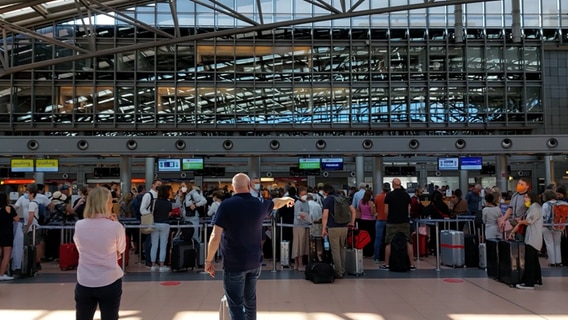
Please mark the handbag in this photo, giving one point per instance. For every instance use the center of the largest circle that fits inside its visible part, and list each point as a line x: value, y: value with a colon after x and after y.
x: 148, y: 221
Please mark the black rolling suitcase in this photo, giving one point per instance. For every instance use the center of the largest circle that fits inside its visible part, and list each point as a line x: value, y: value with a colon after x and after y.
x: 29, y: 268
x: 320, y: 272
x: 471, y: 249
x: 491, y: 246
x: 564, y: 249
x: 317, y: 251
x: 183, y: 255
x: 319, y: 268
x: 511, y: 261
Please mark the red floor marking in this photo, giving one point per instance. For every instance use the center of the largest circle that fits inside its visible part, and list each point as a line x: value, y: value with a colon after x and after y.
x: 170, y: 283
x: 452, y: 280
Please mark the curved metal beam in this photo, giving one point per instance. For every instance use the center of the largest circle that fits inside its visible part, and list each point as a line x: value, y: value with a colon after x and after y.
x: 229, y: 32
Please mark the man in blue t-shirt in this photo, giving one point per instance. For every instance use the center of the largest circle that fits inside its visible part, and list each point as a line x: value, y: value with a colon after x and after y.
x: 237, y: 227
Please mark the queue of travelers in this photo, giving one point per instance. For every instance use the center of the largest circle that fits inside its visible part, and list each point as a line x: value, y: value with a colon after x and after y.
x: 382, y: 215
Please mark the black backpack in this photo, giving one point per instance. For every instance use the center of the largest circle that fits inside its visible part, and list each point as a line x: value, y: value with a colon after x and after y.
x: 341, y: 210
x: 137, y: 202
x: 43, y: 215
x: 398, y: 261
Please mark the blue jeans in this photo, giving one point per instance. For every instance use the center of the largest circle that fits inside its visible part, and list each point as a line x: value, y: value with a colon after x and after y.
x: 380, y: 227
x: 107, y: 297
x: 160, y: 237
x: 240, y: 289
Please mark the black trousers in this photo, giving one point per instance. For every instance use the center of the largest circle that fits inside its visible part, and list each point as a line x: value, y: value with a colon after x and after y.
x: 533, y: 273
x: 107, y: 298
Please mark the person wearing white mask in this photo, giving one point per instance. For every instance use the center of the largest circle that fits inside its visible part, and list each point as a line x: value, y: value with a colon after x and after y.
x: 302, y: 221
x: 180, y: 198
x: 255, y: 187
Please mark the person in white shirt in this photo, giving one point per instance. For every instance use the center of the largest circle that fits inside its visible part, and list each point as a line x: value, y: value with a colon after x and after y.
x: 194, y: 200
x: 217, y: 198
x: 147, y: 207
x: 30, y: 221
x: 21, y: 205
x: 100, y: 241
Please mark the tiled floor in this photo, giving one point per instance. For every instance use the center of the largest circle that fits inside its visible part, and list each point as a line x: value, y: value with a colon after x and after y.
x: 454, y: 294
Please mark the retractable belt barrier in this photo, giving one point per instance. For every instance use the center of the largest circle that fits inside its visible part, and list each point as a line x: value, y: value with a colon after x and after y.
x: 436, y: 223
x: 204, y: 223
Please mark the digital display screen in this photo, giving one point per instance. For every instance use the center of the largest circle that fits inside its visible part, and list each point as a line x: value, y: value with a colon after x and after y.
x: 332, y: 164
x: 448, y: 163
x: 47, y: 165
x: 192, y: 164
x: 309, y: 163
x: 471, y: 163
x: 22, y: 165
x: 169, y: 165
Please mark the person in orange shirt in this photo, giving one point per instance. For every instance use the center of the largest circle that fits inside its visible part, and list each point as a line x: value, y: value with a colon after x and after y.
x: 381, y: 223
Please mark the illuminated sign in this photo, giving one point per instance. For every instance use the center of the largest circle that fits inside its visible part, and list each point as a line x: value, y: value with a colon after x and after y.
x: 22, y: 165
x: 47, y: 165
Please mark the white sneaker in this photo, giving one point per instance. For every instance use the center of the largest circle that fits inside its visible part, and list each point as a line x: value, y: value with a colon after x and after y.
x: 164, y: 269
x: 6, y: 277
x: 522, y: 286
x: 154, y: 268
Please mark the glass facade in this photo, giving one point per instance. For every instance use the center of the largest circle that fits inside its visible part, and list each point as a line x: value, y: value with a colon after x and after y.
x: 397, y: 73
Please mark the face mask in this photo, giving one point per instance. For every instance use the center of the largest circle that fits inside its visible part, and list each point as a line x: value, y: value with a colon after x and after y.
x: 304, y: 198
x: 183, y: 189
x: 527, y: 204
x: 520, y: 189
x: 26, y: 196
x: 257, y: 186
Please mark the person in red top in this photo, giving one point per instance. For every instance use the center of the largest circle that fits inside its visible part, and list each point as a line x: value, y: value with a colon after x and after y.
x: 381, y: 223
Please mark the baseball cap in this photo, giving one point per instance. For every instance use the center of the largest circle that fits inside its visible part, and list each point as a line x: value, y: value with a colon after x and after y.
x: 386, y: 186
x: 64, y: 187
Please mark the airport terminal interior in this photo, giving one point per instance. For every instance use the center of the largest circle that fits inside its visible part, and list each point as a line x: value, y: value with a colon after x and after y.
x: 437, y: 92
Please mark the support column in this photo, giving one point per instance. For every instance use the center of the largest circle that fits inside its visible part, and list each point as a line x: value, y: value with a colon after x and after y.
x: 464, y: 177
x: 422, y: 175
x: 359, y: 169
x: 311, y: 181
x: 458, y: 26
x: 149, y: 172
x: 80, y: 175
x: 39, y: 178
x: 378, y: 176
x: 549, y: 170
x: 254, y: 167
x: 501, y: 174
x: 516, y: 27
x: 125, y: 174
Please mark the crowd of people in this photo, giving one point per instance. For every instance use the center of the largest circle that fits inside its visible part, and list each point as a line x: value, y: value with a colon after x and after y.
x: 237, y: 217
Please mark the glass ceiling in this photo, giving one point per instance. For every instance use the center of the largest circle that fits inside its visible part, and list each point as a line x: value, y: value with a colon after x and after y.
x: 33, y: 14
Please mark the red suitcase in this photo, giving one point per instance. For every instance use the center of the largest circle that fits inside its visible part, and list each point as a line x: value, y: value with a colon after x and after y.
x: 421, y: 247
x: 126, y: 254
x: 68, y: 256
x: 362, y: 238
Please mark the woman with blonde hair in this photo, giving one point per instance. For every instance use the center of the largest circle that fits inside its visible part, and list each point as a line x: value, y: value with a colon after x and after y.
x: 100, y: 240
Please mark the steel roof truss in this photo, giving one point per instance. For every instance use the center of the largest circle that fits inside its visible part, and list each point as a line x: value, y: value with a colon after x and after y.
x: 323, y: 5
x: 230, y: 32
x: 14, y: 28
x: 227, y: 11
x: 125, y: 18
